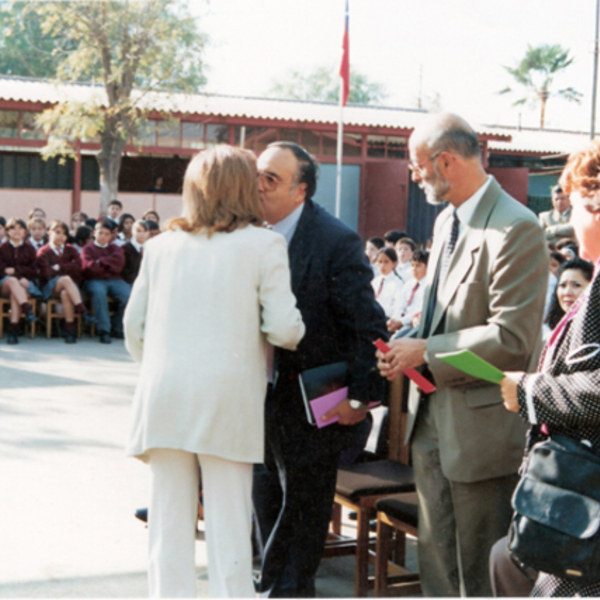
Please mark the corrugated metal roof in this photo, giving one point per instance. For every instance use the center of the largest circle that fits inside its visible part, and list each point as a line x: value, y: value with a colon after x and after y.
x: 546, y: 141
x: 36, y: 90
x: 512, y: 139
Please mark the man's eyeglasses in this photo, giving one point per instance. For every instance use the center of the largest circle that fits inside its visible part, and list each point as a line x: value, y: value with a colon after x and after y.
x: 418, y: 168
x: 270, y: 181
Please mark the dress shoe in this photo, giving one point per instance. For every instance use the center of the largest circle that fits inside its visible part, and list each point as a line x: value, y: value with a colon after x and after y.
x: 70, y: 338
x: 104, y: 338
x: 118, y: 335
x: 88, y: 319
x: 12, y: 338
x: 142, y: 514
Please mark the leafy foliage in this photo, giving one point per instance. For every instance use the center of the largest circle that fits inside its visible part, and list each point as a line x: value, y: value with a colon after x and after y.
x: 536, y: 71
x: 127, y: 48
x: 322, y: 85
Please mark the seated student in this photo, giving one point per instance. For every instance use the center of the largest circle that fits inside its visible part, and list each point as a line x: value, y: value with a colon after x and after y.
x: 3, y: 237
x: 18, y: 270
x: 60, y: 274
x: 151, y: 215
x: 387, y: 286
x: 391, y: 237
x: 153, y: 228
x: 115, y: 207
x: 404, y: 249
x: 84, y: 235
x: 133, y: 251
x: 77, y: 220
x: 91, y: 223
x: 37, y: 232
x: 125, y: 225
x: 372, y: 246
x: 410, y: 302
x: 36, y: 213
x: 102, y: 263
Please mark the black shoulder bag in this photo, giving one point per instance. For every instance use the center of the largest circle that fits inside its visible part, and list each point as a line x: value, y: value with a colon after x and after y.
x: 556, y: 523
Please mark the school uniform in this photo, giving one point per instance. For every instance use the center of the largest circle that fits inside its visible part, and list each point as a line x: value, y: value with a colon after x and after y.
x: 38, y: 245
x: 22, y: 259
x: 133, y: 259
x: 101, y: 270
x: 387, y: 291
x: 68, y: 261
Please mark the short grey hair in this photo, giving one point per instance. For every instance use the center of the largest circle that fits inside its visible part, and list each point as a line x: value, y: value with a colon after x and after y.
x: 457, y: 140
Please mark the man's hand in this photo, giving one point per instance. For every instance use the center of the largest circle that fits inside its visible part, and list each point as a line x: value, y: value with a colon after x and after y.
x: 393, y: 325
x: 508, y: 389
x: 347, y: 414
x: 405, y: 353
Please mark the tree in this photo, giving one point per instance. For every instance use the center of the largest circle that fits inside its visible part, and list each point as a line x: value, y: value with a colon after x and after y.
x: 536, y: 73
x: 131, y: 48
x: 322, y: 85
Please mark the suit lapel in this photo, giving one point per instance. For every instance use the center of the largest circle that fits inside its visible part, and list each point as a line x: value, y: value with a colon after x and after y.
x: 466, y: 250
x: 301, y: 247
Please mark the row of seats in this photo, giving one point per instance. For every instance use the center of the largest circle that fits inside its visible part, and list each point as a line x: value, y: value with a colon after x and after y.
x: 49, y: 311
x: 383, y: 488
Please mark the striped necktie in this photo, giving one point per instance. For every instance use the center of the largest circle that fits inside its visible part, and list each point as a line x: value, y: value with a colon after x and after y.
x: 448, y: 251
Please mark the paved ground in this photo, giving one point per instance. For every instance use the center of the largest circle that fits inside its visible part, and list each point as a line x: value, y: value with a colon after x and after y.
x: 67, y: 491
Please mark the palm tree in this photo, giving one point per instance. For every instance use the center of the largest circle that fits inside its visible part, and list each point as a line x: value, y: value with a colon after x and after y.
x: 536, y: 73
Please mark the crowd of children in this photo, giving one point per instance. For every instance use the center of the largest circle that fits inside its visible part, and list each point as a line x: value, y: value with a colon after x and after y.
x: 399, y: 270
x: 99, y: 257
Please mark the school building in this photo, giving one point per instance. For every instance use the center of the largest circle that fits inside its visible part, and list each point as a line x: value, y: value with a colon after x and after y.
x: 377, y: 194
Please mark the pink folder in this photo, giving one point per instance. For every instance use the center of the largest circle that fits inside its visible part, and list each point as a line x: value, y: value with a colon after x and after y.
x: 324, y: 404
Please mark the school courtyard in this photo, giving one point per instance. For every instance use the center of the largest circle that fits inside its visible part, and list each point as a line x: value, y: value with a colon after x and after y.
x: 68, y: 490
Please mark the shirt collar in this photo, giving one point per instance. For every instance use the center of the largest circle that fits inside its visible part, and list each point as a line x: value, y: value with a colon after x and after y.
x: 15, y: 245
x: 55, y: 249
x: 99, y: 246
x: 137, y: 246
x: 465, y: 211
x: 287, y: 227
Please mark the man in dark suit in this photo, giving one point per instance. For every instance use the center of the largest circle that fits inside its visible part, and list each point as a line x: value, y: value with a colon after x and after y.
x: 293, y: 492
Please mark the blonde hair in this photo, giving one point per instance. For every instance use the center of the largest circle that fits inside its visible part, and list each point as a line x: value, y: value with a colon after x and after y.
x: 220, y: 192
x: 582, y: 174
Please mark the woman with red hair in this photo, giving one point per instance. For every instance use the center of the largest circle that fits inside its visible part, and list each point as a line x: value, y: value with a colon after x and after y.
x: 563, y: 397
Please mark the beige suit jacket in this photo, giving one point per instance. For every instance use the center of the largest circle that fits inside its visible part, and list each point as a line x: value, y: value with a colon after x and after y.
x: 556, y: 226
x: 492, y: 304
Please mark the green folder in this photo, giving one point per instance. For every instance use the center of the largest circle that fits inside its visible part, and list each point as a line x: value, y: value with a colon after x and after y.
x: 473, y: 365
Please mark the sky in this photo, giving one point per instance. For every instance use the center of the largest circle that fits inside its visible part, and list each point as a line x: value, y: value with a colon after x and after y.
x: 452, y: 48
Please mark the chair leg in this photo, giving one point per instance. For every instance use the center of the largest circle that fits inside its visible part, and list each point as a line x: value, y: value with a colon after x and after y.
x: 382, y: 549
x: 361, y: 576
x: 336, y: 519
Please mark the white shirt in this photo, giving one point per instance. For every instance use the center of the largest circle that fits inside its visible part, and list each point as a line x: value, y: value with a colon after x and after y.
x: 404, y: 271
x: 36, y: 245
x: 404, y: 311
x: 387, y: 291
x: 287, y: 226
x: 465, y: 211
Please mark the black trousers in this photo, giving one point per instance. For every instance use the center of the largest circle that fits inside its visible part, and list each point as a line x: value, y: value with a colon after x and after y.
x: 293, y: 494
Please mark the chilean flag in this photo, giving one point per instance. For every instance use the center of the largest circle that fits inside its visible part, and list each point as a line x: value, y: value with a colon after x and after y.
x: 345, y: 66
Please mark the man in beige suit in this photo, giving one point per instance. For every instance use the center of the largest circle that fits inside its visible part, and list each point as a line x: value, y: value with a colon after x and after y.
x: 556, y: 222
x: 487, y: 279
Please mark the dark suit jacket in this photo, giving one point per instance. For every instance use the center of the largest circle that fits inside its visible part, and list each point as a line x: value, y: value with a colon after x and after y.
x: 331, y: 281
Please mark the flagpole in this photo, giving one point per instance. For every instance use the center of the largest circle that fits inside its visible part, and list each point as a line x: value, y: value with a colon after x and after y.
x: 340, y: 132
x: 344, y: 91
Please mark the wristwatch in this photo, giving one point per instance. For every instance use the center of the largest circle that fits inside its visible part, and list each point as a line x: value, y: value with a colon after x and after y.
x: 357, y: 405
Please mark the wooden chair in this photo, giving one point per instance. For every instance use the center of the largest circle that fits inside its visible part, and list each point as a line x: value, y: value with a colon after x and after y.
x: 51, y: 315
x: 5, y: 313
x: 361, y: 485
x: 397, y: 514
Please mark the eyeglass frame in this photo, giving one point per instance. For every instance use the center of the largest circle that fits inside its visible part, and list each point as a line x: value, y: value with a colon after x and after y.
x: 272, y: 180
x: 418, y: 169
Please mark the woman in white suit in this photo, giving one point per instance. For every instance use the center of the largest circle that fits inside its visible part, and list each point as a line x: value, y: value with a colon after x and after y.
x: 211, y: 292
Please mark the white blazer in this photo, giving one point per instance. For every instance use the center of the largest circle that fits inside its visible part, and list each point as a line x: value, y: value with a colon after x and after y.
x: 198, y: 319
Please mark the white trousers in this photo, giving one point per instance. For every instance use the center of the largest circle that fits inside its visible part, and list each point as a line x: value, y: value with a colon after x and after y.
x: 172, y: 515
